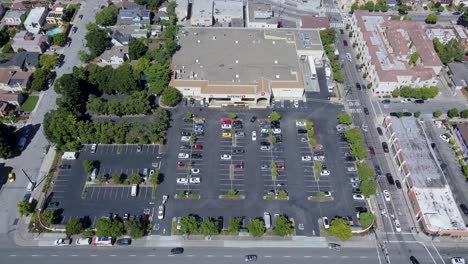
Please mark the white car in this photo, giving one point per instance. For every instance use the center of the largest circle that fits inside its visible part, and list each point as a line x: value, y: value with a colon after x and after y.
x: 225, y: 157
x: 319, y: 158
x: 276, y: 131
x: 185, y: 139
x: 358, y: 197
x: 300, y: 123
x: 151, y: 172
x: 182, y: 181
x: 327, y: 194
x: 325, y: 222
x: 386, y: 195
x: 183, y: 156
x: 195, y: 171
x: 457, y: 260
x: 62, y: 242
x: 405, y: 100
x: 296, y: 104
x: 355, y: 179
x: 351, y: 169
x: 444, y: 138
x: 93, y: 148
x: 83, y: 242
x: 161, y: 212
x: 195, y: 180
x: 165, y: 197
x: 355, y: 184
x: 179, y: 225
x: 325, y: 173
x: 397, y: 225
x: 265, y: 148
x: 306, y: 158
x: 254, y: 135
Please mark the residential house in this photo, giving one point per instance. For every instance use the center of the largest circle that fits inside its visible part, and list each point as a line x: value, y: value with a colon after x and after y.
x: 5, y: 109
x: 12, y: 18
x: 384, y: 48
x: 18, y: 5
x: 125, y: 4
x: 22, y: 61
x: 35, y: 19
x: 461, y: 132
x: 161, y: 16
x: 13, y: 81
x: 137, y: 17
x: 224, y: 11
x: 202, y: 13
x: 260, y: 15
x: 124, y: 33
x: 114, y: 56
x: 55, y: 15
x: 119, y: 39
x: 12, y: 98
x: 459, y: 74
x: 30, y: 42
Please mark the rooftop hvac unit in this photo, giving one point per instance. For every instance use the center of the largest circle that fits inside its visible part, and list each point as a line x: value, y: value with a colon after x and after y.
x: 277, y: 76
x: 237, y: 61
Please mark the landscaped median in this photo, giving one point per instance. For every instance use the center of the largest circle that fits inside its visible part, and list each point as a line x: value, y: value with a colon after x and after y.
x: 355, y: 139
x: 232, y: 195
x: 320, y: 197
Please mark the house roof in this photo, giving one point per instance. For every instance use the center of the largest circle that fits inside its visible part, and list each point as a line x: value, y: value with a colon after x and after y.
x: 459, y: 76
x: 19, y: 77
x: 115, y: 51
x: 5, y: 76
x: 463, y: 129
x: 9, y: 97
x: 18, y: 5
x: 22, y: 59
x: 120, y: 37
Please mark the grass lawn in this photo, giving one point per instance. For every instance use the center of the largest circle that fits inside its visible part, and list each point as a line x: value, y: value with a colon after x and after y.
x: 30, y: 103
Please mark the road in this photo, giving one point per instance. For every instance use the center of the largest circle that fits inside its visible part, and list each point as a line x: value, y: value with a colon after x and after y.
x: 31, y: 158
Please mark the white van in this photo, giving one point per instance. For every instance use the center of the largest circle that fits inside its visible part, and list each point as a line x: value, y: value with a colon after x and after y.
x: 69, y: 155
x: 30, y: 186
x: 94, y: 174
x: 134, y: 190
x: 267, y: 220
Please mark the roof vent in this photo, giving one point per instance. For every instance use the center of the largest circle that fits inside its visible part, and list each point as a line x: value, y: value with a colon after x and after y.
x: 236, y: 41
x: 277, y: 76
x: 237, y: 76
x: 273, y: 42
x: 198, y: 41
x: 197, y: 61
x: 214, y: 37
x: 276, y: 62
x: 237, y: 61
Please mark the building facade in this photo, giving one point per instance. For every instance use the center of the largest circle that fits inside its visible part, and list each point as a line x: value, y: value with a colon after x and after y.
x: 36, y: 19
x: 202, y: 13
x: 227, y: 10
x: 260, y: 14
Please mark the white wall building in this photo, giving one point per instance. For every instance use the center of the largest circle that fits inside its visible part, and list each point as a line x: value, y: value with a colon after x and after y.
x: 181, y: 9
x: 35, y: 19
x: 226, y: 10
x: 260, y: 15
x: 202, y: 13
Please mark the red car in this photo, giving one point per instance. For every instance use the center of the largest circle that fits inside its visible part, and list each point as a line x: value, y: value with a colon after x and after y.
x: 197, y: 147
x: 239, y: 166
x: 372, y: 151
x: 180, y: 165
x: 345, y: 43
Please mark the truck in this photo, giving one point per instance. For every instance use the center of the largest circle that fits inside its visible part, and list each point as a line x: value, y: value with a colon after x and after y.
x: 313, y: 71
x: 134, y: 190
x: 69, y: 155
x: 327, y: 71
x: 337, y: 54
x: 267, y: 220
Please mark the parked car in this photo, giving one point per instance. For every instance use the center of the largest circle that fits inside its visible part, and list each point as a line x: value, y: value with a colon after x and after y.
x: 464, y: 208
x: 386, y: 101
x: 444, y: 138
x: 253, y: 119
x: 83, y: 242
x: 358, y: 197
x: 419, y: 101
x: 358, y: 86
x: 398, y: 184
x: 366, y: 110
x: 345, y: 43
x: 254, y: 135
x: 306, y: 158
x: 62, y: 242
x: 379, y: 131
x: 413, y: 260
x: 405, y: 100
x: 74, y: 29
x: 225, y: 157
x: 371, y: 151
x: 326, y: 223
x: 250, y: 258
x: 390, y: 178
x: 386, y: 194
x: 183, y: 156
x: 124, y: 241
x: 385, y: 147
x: 300, y: 123
x: 177, y: 250
x: 302, y: 131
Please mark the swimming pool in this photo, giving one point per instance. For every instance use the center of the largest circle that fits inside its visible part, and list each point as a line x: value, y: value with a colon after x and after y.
x: 54, y: 31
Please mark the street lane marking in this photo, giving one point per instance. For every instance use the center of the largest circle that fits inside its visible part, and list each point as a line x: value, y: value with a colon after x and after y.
x: 132, y: 255
x: 267, y: 256
x: 363, y: 257
x: 93, y: 255
x: 151, y: 255
x: 35, y: 255
x: 74, y: 255
x: 111, y: 255
x: 324, y: 256
x: 344, y: 256
x: 12, y: 255
x: 190, y: 255
x: 171, y: 255
x: 209, y: 256
x: 307, y: 256
x: 228, y: 256
x: 286, y: 256
x: 54, y: 255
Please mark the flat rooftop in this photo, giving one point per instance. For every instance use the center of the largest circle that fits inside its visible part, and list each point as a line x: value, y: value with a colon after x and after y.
x: 236, y: 55
x: 424, y: 169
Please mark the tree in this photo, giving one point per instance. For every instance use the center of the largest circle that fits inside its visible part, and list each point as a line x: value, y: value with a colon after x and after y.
x: 123, y: 80
x: 88, y: 166
x: 437, y: 113
x: 24, y: 208
x: 366, y: 219
x: 116, y: 178
x: 88, y: 233
x: 403, y: 9
x: 158, y: 76
x: 136, y: 49
x: 135, y: 178
x: 283, y: 227
x: 73, y: 227
x: 4, y: 38
x: 328, y: 36
x: 256, y: 228
x: 154, y: 178
x: 59, y: 39
x: 452, y: 113
x: 208, y: 228
x: 464, y: 113
x: 365, y: 171
x: 274, y: 117
x: 107, y: 16
x: 340, y: 229
x: 83, y: 56
x: 232, y: 116
x: 171, y: 96
x: 345, y: 119
x: 369, y: 6
x: 134, y: 229
x: 414, y: 59
x: 234, y: 225
x: 97, y: 40
x: 417, y: 114
x: 141, y: 65
x: 48, y: 62
x: 7, y: 141
x: 7, y: 47
x: 109, y: 228
x: 431, y: 18
x: 354, y: 6
x: 354, y: 138
x: 188, y: 225
x: 368, y: 187
x: 40, y: 79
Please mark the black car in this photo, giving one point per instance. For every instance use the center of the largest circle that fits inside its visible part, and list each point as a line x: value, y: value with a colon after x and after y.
x: 196, y: 156
x: 358, y: 86
x: 249, y: 258
x: 390, y: 178
x: 74, y: 29
x: 341, y: 31
x: 393, y: 114
x: 366, y: 111
x: 177, y: 250
x: 385, y: 147
x: 64, y: 166
x: 350, y: 158
x: 414, y: 260
x: 398, y: 184
x: 377, y: 169
x: 124, y: 241
x: 357, y: 190
x: 185, y: 133
x: 27, y: 196
x: 386, y: 101
x: 379, y: 130
x: 53, y: 205
x: 238, y: 151
x: 361, y: 209
x: 407, y: 114
x: 80, y: 17
x: 253, y: 119
x: 264, y: 143
x: 464, y: 208
x: 302, y: 131
x: 419, y: 101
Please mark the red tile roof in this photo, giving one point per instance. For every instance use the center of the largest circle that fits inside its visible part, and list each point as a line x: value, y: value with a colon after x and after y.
x: 314, y: 22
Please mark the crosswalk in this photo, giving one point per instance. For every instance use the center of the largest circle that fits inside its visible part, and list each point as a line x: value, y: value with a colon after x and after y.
x: 330, y: 9
x: 337, y: 25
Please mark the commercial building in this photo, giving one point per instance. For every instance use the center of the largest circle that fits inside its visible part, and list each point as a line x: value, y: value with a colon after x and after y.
x: 242, y: 66
x: 422, y: 178
x: 385, y: 47
x: 202, y: 13
x: 319, y: 23
x: 260, y: 15
x: 181, y: 9
x: 35, y: 19
x: 461, y: 132
x: 225, y: 11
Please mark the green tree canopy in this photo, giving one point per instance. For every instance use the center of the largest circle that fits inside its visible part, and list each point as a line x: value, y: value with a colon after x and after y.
x: 283, y: 227
x: 158, y: 76
x: 256, y: 228
x: 24, y: 208
x: 340, y: 229
x: 135, y: 178
x: 107, y: 16
x: 7, y: 141
x: 171, y: 96
x: 234, y: 225
x: 274, y: 116
x: 354, y: 138
x: 88, y: 166
x: 136, y: 48
x: 431, y: 18
x: 419, y: 93
x: 208, y: 228
x: 464, y: 113
x: 73, y: 227
x: 109, y: 228
x: 437, y: 113
x: 59, y: 39
x: 134, y: 229
x: 368, y: 187
x: 365, y: 171
x: 345, y: 119
x: 48, y: 61
x: 40, y: 79
x: 452, y: 113
x: 188, y: 225
x: 97, y: 40
x: 366, y: 219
